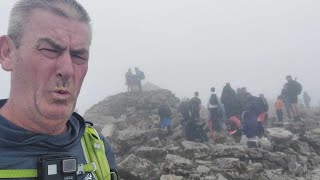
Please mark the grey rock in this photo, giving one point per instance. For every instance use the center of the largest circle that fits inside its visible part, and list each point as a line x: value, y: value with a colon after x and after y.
x: 154, y: 142
x: 226, y: 163
x: 175, y: 159
x: 279, y: 134
x: 171, y: 177
x: 203, y: 169
x: 108, y: 130
x: 228, y: 151
x: 151, y: 153
x: 134, y: 167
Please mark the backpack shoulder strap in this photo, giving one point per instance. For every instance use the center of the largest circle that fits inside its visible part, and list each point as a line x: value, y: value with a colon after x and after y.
x: 94, y: 152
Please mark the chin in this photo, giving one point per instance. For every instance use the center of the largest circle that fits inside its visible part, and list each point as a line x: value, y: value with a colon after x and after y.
x: 58, y: 113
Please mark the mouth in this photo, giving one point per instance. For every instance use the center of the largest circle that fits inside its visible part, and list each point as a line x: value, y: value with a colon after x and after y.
x: 62, y: 92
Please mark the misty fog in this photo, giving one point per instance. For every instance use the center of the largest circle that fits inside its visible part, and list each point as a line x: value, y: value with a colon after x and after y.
x: 188, y: 45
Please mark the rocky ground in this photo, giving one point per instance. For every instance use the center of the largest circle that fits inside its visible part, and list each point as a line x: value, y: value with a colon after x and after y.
x: 143, y: 151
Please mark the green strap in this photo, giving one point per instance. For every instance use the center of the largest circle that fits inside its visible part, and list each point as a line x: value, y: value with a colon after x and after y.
x: 18, y: 173
x: 95, y: 153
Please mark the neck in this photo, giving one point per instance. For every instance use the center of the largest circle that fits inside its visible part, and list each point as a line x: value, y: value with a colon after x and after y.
x: 33, y: 123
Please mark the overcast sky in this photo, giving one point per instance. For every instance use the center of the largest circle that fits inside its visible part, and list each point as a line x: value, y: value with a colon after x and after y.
x: 192, y: 45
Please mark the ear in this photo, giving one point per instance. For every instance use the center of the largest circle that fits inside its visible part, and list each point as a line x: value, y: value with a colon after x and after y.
x: 6, y: 49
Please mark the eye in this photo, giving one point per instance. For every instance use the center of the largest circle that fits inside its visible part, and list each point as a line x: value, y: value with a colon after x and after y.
x: 50, y: 53
x: 79, y: 58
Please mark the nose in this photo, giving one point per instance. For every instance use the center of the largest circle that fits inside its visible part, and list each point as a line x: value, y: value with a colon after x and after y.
x: 64, y: 66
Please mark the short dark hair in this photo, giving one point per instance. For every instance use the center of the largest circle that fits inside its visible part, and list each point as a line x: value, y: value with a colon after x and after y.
x: 196, y: 93
x: 289, y: 77
x: 213, y: 89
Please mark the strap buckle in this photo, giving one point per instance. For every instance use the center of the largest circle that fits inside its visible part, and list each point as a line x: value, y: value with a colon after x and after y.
x: 82, y: 169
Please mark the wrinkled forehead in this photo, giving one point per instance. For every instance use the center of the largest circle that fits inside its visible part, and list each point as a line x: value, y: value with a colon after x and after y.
x: 63, y: 30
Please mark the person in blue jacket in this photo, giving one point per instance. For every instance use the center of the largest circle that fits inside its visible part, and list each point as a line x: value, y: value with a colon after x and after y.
x: 251, y: 126
x: 47, y: 53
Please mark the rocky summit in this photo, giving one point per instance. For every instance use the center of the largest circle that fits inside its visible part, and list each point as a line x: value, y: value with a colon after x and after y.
x: 143, y: 151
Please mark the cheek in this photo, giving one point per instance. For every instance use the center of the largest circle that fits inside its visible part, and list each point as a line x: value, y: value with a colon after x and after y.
x: 80, y: 74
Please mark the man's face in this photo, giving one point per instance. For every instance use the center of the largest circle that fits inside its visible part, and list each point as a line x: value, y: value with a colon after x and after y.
x: 49, y: 66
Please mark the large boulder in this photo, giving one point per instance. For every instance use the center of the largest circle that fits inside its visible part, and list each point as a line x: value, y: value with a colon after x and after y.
x: 137, y: 168
x: 279, y: 134
x: 151, y: 153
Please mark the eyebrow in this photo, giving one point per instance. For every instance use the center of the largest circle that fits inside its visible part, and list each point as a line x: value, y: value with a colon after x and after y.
x: 51, y: 43
x: 55, y: 45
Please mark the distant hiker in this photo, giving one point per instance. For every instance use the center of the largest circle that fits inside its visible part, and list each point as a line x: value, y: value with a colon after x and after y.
x: 165, y: 113
x: 306, y: 99
x: 294, y: 89
x: 242, y: 95
x: 251, y: 126
x: 279, y: 108
x: 230, y: 101
x: 194, y: 131
x: 263, y: 116
x: 129, y: 80
x: 234, y: 127
x: 215, y: 113
x: 195, y: 103
x: 184, y: 109
x: 139, y: 76
x: 285, y: 98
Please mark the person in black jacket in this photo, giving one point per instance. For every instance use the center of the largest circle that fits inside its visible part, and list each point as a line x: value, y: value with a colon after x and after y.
x: 184, y: 109
x: 230, y: 101
x: 195, y: 104
x: 293, y: 90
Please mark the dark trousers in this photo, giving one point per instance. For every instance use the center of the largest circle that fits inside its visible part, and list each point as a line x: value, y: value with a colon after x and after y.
x: 280, y: 115
x: 214, y: 117
x: 195, y: 114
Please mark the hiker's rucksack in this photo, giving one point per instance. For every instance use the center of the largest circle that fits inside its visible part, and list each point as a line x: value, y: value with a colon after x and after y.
x: 214, y: 99
x: 256, y: 105
x: 298, y: 87
x: 141, y: 75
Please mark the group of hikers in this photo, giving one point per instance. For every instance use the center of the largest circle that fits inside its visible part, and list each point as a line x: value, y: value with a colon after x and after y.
x: 237, y: 111
x: 133, y: 81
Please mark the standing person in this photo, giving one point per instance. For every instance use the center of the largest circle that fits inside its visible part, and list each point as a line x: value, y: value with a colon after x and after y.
x: 139, y: 76
x: 165, y: 113
x: 294, y: 89
x: 195, y: 104
x: 263, y: 116
x: 306, y: 99
x: 214, y: 114
x: 242, y: 95
x: 252, y: 128
x: 47, y: 52
x: 279, y: 108
x: 284, y: 97
x: 129, y: 80
x: 230, y: 101
x: 184, y: 109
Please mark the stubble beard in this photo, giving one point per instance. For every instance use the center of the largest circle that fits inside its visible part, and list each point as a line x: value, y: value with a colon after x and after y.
x: 64, y: 107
